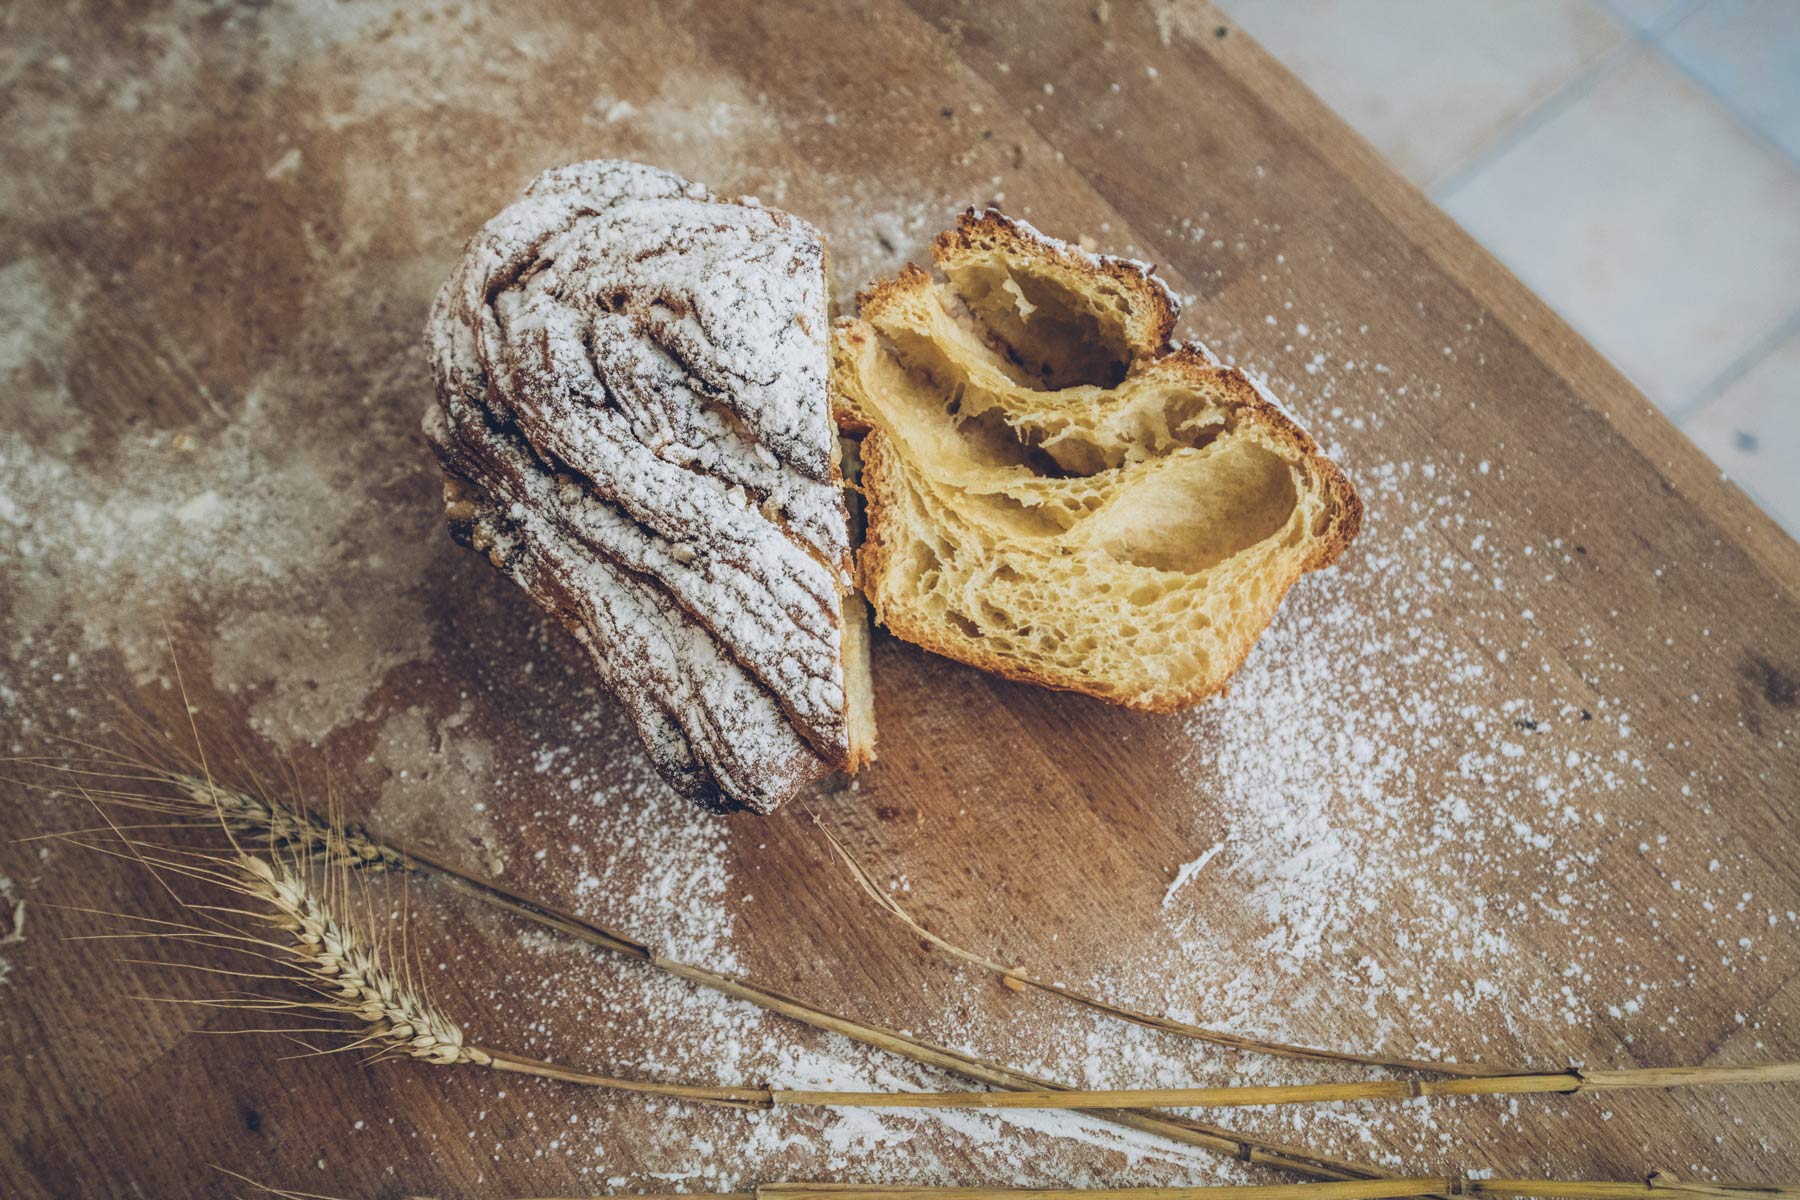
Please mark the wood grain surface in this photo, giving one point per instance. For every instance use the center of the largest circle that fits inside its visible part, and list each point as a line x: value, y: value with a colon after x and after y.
x: 1517, y: 781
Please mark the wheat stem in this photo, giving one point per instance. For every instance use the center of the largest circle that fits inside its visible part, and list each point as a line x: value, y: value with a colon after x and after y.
x: 1397, y: 1188
x: 735, y: 1097
x: 1657, y: 1184
x: 315, y: 839
x: 1018, y: 978
x: 399, y: 1020
x: 1564, y: 1082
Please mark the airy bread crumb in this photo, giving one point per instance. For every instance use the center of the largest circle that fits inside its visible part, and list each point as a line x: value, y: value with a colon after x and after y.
x: 1055, y: 495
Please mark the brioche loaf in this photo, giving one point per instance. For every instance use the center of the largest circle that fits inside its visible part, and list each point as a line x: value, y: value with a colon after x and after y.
x: 633, y: 413
x: 1056, y: 495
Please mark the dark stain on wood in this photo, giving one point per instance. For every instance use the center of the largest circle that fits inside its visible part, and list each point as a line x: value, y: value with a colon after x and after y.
x: 1779, y: 687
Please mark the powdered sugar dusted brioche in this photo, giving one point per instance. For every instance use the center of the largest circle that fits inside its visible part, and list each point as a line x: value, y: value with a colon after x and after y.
x: 632, y: 403
x: 1056, y: 495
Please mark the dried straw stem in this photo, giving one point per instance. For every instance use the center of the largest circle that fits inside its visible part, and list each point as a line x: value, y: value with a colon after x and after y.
x: 1563, y: 1082
x: 730, y: 1097
x: 368, y: 992
x: 1658, y: 1185
x: 309, y: 838
x: 1019, y: 978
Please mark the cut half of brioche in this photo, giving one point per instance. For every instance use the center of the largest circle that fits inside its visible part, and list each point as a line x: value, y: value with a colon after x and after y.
x: 632, y: 406
x: 1055, y: 495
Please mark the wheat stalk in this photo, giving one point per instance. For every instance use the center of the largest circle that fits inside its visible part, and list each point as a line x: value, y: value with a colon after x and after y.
x: 351, y: 845
x: 1378, y: 1189
x: 1018, y: 979
x: 348, y: 970
x: 350, y: 974
x: 187, y: 796
x: 294, y: 828
x: 1397, y: 1188
x: 1657, y: 1184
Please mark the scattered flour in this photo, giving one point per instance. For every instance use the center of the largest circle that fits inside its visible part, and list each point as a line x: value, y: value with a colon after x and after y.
x: 1188, y: 870
x: 670, y: 889
x: 275, y: 532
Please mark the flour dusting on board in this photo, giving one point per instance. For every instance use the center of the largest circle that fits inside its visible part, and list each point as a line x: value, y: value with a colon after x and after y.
x: 1323, y: 759
x: 232, y: 513
x: 1404, y: 794
x: 640, y: 859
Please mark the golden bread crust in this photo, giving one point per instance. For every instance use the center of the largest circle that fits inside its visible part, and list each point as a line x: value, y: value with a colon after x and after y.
x: 901, y: 307
x: 976, y: 232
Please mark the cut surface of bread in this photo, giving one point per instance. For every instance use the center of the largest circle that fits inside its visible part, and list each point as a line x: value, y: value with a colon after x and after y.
x: 1055, y: 495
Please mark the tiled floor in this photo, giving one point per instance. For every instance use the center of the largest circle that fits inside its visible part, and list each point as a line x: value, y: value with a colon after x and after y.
x: 1637, y: 162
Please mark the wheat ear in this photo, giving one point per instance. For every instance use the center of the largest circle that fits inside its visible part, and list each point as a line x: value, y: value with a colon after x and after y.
x: 350, y: 973
x: 282, y: 917
x: 332, y: 842
x: 380, y: 1005
x: 187, y: 796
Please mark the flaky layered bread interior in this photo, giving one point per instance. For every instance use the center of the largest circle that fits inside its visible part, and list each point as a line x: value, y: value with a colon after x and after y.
x: 1053, y: 493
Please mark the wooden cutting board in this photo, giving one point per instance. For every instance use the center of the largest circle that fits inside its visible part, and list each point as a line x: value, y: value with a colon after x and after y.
x: 1517, y: 781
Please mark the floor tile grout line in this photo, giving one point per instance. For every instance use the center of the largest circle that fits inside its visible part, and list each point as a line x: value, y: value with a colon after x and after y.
x: 1756, y: 497
x: 1662, y: 25
x: 1536, y: 115
x: 1515, y: 131
x: 1757, y: 131
x: 1584, y: 82
x: 1742, y: 365
x: 1533, y: 119
x: 1654, y: 37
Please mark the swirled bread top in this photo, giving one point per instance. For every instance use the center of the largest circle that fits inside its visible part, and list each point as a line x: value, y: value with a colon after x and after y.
x: 633, y: 373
